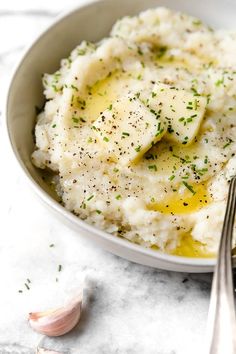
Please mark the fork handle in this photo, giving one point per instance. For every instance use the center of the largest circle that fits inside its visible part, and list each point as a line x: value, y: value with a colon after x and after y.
x: 221, y: 331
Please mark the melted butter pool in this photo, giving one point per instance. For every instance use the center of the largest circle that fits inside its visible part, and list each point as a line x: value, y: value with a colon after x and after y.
x: 189, y: 247
x: 183, y: 203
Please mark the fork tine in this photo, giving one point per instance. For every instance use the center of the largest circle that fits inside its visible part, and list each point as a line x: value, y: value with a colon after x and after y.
x: 221, y: 333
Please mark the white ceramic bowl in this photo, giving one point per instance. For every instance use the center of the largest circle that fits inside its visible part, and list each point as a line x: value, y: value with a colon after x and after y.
x: 91, y: 22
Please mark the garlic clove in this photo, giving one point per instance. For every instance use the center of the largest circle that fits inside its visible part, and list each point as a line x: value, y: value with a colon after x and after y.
x: 57, y: 322
x: 46, y: 351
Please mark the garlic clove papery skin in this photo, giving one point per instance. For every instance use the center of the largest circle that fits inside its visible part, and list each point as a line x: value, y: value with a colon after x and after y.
x: 54, y: 323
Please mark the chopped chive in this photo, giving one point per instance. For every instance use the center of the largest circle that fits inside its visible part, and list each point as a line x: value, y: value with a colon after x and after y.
x: 91, y: 197
x: 83, y: 205
x: 152, y: 167
x: 202, y: 171
x: 190, y: 188
x: 208, y: 98
x: 153, y: 111
x: 195, y: 93
x: 74, y: 87
x: 228, y: 143
x: 219, y: 82
x: 171, y: 178
x: 27, y: 286
x: 105, y: 139
x: 138, y: 148
x: 55, y: 88
x: 75, y: 120
x: 159, y: 131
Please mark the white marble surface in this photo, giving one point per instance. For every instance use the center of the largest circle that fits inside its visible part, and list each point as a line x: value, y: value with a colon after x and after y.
x: 128, y: 308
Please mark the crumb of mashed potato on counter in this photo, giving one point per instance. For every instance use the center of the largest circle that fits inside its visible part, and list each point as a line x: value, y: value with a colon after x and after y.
x: 140, y: 128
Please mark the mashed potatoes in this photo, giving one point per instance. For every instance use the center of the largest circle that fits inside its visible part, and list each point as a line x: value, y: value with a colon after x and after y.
x: 140, y: 128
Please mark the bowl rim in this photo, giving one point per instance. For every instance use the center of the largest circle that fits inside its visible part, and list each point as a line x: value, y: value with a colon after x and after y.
x: 197, y: 264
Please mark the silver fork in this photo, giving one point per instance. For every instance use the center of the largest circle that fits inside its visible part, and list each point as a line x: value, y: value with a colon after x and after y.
x: 221, y: 331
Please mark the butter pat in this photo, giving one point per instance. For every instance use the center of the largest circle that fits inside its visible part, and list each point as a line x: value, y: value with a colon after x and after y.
x: 182, y: 111
x: 128, y: 129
